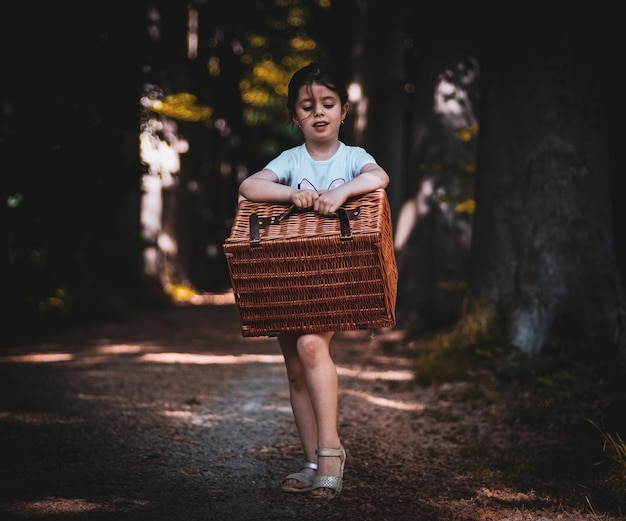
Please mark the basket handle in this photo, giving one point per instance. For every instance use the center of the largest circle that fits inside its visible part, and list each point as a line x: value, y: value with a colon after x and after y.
x: 257, y: 223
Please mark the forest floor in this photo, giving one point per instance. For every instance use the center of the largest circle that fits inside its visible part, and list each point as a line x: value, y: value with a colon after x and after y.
x: 176, y: 416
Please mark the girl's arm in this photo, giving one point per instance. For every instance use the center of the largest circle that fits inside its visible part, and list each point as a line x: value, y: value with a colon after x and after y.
x: 372, y: 177
x: 263, y: 186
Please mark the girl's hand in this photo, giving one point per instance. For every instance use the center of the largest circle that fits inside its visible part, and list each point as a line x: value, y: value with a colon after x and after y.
x: 303, y: 199
x: 329, y: 201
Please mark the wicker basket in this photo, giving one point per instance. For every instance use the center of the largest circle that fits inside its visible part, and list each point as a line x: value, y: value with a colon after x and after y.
x: 300, y: 272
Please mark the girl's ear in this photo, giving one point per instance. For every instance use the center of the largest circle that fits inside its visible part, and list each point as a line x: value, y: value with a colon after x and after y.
x: 344, y: 110
x: 292, y: 117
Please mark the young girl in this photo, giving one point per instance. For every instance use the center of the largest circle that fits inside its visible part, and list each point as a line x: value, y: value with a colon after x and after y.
x: 320, y: 174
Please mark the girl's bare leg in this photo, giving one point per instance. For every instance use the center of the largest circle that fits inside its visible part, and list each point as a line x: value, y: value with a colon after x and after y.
x: 322, y: 383
x: 300, y: 402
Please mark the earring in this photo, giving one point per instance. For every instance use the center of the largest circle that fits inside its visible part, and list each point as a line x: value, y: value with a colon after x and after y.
x: 342, y: 121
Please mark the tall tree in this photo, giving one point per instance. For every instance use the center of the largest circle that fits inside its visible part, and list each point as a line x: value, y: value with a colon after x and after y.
x: 543, y: 254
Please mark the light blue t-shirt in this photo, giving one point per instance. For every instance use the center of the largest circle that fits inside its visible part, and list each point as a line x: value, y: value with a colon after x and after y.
x: 295, y: 165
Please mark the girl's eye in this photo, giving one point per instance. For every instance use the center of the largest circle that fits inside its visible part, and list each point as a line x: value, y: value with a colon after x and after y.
x: 329, y: 106
x: 307, y: 109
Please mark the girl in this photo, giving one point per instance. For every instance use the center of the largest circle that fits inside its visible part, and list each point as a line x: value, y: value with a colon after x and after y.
x: 321, y: 174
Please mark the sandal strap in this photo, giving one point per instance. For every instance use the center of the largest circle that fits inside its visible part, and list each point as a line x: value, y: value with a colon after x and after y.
x: 310, y: 465
x: 332, y: 453
x: 333, y: 482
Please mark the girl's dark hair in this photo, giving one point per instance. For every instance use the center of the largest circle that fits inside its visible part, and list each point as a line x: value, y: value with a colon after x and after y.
x: 314, y: 72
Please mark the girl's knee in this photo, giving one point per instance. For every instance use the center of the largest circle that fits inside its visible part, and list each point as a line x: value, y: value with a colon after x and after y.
x: 311, y: 348
x: 308, y: 343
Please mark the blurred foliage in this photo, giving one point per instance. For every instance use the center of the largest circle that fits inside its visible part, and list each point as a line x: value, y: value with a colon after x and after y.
x: 182, y: 106
x: 272, y: 53
x: 467, y: 134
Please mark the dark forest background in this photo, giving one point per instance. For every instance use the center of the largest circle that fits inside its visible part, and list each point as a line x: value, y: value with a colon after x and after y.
x: 501, y: 130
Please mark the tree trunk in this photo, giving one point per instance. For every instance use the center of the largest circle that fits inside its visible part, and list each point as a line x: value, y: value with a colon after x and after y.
x: 543, y: 256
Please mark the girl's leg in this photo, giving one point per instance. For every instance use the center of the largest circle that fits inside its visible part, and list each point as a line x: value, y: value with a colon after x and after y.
x: 300, y: 404
x: 322, y: 382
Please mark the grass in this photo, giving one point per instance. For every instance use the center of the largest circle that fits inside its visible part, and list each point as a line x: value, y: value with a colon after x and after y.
x: 614, y: 450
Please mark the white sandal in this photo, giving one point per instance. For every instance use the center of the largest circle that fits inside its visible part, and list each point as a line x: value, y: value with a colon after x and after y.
x: 301, y: 477
x: 331, y: 482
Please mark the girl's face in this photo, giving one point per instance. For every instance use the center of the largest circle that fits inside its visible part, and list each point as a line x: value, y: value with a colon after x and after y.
x: 319, y: 113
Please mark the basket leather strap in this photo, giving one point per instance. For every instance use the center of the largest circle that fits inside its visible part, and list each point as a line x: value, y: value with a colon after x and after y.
x: 344, y: 222
x: 257, y: 223
x: 255, y: 234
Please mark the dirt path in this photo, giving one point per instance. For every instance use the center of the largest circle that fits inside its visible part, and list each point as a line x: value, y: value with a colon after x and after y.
x: 177, y: 417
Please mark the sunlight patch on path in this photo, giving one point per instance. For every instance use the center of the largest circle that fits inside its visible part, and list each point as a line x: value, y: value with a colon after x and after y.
x: 384, y: 402
x: 188, y: 358
x: 37, y: 358
x: 61, y: 505
x: 362, y: 374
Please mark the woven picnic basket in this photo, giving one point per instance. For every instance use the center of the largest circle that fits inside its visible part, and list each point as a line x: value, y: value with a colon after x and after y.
x: 296, y: 271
